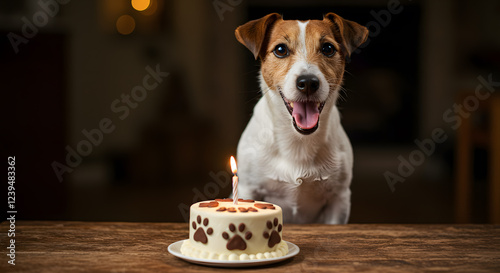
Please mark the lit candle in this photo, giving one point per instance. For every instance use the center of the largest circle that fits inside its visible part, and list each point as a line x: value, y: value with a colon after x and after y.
x: 234, y: 169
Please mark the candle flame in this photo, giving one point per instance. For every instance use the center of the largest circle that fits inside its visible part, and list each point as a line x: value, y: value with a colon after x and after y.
x: 234, y: 167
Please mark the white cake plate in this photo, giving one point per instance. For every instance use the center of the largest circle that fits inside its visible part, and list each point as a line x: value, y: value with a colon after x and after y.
x: 175, y: 249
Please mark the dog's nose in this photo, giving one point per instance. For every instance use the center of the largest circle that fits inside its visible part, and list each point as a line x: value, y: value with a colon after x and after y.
x: 308, y: 84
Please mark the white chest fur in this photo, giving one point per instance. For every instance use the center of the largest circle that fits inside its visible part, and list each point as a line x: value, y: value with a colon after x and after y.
x: 306, y: 176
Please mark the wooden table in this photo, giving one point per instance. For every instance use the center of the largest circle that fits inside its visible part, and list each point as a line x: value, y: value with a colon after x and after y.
x: 142, y: 247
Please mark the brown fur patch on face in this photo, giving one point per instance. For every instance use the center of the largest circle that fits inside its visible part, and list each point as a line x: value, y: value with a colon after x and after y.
x: 287, y: 32
x: 274, y: 69
x: 317, y: 34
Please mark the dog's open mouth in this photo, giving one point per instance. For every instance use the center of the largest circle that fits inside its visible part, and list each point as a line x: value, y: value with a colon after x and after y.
x: 305, y: 114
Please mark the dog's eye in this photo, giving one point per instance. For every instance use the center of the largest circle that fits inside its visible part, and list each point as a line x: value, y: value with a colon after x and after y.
x: 328, y: 49
x: 281, y: 51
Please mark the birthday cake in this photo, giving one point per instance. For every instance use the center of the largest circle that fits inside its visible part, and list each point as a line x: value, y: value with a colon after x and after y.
x: 222, y: 230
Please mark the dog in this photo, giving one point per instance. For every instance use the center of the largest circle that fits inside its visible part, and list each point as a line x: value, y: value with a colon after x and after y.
x: 294, y: 152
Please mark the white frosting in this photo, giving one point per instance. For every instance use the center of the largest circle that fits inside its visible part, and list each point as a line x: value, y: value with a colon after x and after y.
x: 216, y: 246
x: 190, y: 250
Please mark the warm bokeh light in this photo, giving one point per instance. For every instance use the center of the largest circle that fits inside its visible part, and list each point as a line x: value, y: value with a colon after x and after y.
x: 125, y: 24
x: 234, y: 168
x: 140, y: 5
x: 153, y: 6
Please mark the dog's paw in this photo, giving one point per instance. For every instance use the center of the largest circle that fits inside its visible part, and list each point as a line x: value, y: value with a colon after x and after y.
x: 199, y: 234
x: 237, y: 242
x: 273, y: 235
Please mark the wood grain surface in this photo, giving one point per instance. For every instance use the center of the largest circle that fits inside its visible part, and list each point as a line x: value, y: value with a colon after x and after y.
x: 46, y: 246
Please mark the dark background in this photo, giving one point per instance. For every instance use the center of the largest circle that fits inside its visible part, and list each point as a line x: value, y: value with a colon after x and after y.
x: 173, y: 148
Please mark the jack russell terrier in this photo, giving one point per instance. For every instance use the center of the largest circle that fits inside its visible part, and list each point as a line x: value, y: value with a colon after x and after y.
x: 294, y: 151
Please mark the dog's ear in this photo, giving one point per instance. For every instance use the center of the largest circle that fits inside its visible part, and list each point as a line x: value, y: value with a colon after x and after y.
x: 254, y: 34
x: 351, y: 34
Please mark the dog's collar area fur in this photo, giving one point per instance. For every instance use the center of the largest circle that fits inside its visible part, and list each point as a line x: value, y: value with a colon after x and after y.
x: 289, y: 107
x: 301, y: 180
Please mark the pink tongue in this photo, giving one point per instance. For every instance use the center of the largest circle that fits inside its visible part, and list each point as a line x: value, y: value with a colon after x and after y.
x: 306, y: 114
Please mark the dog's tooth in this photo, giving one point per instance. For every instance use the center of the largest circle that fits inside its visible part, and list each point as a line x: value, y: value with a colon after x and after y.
x: 291, y: 104
x: 319, y: 103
